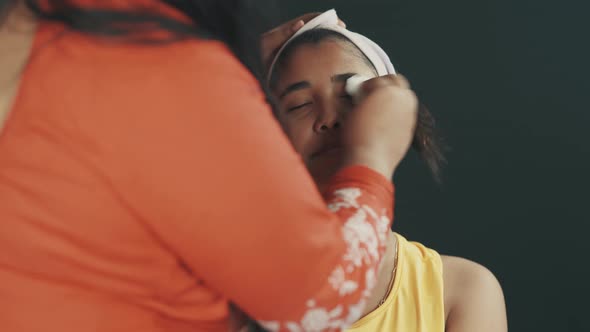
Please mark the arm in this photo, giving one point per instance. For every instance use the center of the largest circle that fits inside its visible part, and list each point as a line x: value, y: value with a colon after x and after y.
x: 475, y: 298
x: 205, y: 166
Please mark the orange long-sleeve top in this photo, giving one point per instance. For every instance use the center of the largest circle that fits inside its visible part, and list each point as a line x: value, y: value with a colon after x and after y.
x: 143, y: 188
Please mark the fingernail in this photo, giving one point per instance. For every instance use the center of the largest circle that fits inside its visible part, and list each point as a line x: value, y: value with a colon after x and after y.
x: 298, y: 25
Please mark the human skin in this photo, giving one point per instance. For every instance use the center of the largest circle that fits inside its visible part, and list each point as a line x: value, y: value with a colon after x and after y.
x: 314, y: 116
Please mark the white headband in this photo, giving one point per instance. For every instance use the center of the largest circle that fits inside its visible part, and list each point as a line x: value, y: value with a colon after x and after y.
x: 329, y: 21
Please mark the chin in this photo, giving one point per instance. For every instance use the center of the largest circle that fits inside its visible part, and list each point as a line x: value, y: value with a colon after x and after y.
x: 322, y: 169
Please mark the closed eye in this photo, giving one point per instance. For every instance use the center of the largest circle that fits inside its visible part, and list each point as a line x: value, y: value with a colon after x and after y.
x: 294, y: 108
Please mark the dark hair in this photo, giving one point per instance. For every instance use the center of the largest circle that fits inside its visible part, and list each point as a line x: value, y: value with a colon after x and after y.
x: 237, y: 23
x: 426, y: 140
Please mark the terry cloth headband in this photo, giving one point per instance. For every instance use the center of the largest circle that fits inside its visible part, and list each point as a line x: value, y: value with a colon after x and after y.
x: 329, y: 21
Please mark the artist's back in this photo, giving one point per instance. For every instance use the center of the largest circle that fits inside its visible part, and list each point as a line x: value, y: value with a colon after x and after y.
x: 75, y: 255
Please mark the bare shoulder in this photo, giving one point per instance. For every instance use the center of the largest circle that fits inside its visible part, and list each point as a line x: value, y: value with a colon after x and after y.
x: 474, y: 300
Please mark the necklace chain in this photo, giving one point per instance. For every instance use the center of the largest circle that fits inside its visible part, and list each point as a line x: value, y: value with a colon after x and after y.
x: 391, y: 280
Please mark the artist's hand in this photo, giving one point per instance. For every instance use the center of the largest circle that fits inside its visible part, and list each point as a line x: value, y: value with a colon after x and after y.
x: 380, y: 129
x: 275, y: 38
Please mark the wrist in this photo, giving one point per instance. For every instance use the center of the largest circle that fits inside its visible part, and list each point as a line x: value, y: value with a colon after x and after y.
x: 371, y: 160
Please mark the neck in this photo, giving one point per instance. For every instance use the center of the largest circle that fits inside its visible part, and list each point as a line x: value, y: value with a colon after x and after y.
x: 16, y: 37
x: 384, y: 276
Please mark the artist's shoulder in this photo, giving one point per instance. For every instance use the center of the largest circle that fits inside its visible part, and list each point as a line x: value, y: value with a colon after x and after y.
x: 474, y: 299
x: 186, y: 61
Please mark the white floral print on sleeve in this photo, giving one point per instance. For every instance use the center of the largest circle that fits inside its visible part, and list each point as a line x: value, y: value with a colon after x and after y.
x: 364, y: 234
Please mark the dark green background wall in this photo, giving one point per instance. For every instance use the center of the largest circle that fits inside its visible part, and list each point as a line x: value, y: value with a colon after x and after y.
x: 507, y: 81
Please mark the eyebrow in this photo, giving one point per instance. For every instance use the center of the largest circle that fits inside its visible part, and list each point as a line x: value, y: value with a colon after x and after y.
x: 294, y: 87
x: 306, y: 85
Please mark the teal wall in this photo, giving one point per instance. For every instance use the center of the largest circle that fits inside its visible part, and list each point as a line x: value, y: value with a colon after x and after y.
x: 507, y: 81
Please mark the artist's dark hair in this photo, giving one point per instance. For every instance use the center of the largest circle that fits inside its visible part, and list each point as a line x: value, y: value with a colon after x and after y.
x: 427, y: 141
x: 237, y: 23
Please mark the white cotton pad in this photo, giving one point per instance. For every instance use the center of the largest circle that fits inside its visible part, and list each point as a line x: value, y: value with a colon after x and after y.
x: 353, y: 85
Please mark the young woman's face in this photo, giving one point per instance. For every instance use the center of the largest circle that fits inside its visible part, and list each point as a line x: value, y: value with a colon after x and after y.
x: 313, y: 102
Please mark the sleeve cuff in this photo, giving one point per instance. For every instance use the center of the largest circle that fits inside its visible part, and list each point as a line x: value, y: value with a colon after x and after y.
x: 366, y: 179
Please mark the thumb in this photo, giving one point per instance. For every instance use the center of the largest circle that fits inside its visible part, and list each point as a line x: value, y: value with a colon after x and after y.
x: 276, y: 37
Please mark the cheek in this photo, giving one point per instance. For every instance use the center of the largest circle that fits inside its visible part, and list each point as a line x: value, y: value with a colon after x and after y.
x: 300, y: 135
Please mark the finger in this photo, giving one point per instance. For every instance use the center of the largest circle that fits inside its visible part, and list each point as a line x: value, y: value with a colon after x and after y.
x: 285, y: 27
x: 376, y: 83
x: 308, y: 17
x: 341, y: 23
x: 277, y: 36
x: 297, y: 25
x: 397, y: 80
x: 384, y: 81
x: 402, y: 81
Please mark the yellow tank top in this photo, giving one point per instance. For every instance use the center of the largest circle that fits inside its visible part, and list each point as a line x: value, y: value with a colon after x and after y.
x: 416, y: 301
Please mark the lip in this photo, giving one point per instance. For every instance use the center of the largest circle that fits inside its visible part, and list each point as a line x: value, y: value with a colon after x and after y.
x: 326, y: 150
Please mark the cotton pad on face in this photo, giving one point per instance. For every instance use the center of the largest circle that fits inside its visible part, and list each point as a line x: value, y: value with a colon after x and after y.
x: 354, y: 84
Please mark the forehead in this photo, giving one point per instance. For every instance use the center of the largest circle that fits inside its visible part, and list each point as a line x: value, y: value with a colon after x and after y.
x: 320, y: 61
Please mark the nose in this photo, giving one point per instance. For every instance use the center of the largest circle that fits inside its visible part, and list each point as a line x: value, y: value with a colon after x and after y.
x: 329, y: 117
